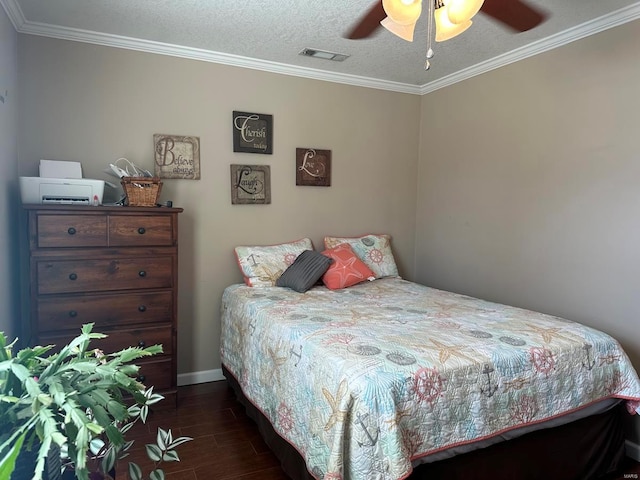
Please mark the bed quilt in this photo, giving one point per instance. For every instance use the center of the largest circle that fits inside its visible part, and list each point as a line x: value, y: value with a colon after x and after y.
x: 364, y: 380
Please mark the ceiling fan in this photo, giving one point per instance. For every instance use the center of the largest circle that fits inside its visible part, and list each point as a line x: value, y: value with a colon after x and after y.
x: 400, y: 16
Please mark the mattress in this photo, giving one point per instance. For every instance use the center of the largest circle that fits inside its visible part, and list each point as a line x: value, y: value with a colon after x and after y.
x: 367, y: 381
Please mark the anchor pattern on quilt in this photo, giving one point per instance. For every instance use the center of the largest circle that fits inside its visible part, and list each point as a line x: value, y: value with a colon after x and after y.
x: 589, y: 361
x: 297, y: 354
x: 488, y: 387
x: 372, y: 438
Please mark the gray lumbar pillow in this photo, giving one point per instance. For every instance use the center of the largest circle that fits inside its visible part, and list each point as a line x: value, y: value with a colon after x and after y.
x: 305, y: 271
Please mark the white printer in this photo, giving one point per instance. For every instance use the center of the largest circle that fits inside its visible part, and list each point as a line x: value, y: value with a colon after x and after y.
x: 61, y: 183
x: 61, y: 191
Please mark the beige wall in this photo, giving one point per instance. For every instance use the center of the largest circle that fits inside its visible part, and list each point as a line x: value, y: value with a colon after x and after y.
x: 9, y: 203
x: 528, y: 188
x: 95, y: 104
x: 529, y: 185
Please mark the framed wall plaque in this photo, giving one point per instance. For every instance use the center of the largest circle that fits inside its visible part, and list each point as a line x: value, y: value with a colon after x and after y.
x: 176, y: 156
x: 252, y: 132
x: 250, y: 184
x: 313, y: 167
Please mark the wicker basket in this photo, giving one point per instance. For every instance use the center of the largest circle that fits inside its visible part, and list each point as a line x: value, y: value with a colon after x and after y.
x: 141, y: 191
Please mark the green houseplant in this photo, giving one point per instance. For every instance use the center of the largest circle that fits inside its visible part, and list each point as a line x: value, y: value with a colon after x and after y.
x: 80, y: 402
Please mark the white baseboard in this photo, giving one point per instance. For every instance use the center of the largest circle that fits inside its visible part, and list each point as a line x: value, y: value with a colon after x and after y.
x: 632, y: 450
x: 205, y: 376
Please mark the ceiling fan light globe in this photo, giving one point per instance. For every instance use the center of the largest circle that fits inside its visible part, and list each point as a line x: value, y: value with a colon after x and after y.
x: 405, y: 32
x: 445, y: 29
x: 461, y: 11
x: 403, y: 12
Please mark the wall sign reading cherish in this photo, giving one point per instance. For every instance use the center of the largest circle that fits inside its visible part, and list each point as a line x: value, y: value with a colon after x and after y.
x: 252, y: 132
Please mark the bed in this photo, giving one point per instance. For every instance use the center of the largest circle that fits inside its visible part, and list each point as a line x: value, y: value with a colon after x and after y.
x: 389, y: 379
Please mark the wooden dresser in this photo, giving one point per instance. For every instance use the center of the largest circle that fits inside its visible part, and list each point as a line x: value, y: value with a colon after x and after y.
x: 116, y: 267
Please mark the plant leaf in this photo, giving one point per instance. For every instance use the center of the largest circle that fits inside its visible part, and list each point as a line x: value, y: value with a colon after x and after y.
x: 127, y: 445
x: 155, y: 398
x: 117, y: 410
x: 96, y: 445
x: 20, y: 371
x: 162, y: 439
x: 8, y: 462
x: 43, y: 451
x: 144, y: 411
x: 153, y: 452
x: 134, y: 471
x: 109, y: 460
x: 171, y: 456
x: 100, y: 415
x: 100, y: 396
x: 114, y: 435
x: 157, y: 475
x: 134, y: 410
x: 126, y: 427
x: 179, y: 441
x: 94, y: 428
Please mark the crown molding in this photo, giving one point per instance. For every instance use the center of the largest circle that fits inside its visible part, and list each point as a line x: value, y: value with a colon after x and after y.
x: 611, y: 20
x: 14, y: 12
x: 614, y: 19
x: 148, y: 46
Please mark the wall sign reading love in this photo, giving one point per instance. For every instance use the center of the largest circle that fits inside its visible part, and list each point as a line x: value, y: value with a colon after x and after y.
x: 252, y: 132
x: 313, y: 167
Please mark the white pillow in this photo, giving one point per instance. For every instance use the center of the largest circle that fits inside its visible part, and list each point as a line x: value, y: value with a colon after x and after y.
x: 374, y: 250
x: 262, y: 265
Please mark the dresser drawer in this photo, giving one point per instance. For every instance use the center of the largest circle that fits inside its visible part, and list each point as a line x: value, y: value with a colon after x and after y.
x: 141, y: 230
x: 68, y: 312
x: 117, y: 339
x: 156, y: 373
x: 71, y: 231
x: 84, y: 275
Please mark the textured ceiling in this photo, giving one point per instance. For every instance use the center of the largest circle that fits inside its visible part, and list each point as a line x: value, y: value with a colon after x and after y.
x: 269, y: 34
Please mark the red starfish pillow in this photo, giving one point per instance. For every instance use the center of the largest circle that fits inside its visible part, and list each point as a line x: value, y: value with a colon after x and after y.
x: 346, y: 270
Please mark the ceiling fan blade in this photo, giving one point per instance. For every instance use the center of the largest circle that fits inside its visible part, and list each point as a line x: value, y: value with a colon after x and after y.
x: 514, y: 13
x: 368, y: 23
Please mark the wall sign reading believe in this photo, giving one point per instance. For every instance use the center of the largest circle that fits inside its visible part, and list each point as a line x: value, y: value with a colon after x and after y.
x: 177, y: 156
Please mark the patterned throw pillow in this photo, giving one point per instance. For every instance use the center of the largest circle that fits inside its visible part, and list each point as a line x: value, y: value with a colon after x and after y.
x: 305, y: 272
x: 261, y: 266
x: 346, y: 270
x: 373, y: 250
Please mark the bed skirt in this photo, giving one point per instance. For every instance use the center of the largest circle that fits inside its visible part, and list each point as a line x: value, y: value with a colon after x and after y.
x: 590, y: 448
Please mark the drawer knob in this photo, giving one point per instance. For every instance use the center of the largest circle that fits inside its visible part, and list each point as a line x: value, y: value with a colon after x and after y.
x: 142, y: 343
x: 142, y: 308
x: 73, y: 276
x: 71, y: 231
x: 141, y: 378
x: 141, y: 231
x: 73, y: 313
x: 142, y: 273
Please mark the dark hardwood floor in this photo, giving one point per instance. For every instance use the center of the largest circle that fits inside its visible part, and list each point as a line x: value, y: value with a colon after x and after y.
x: 226, y: 444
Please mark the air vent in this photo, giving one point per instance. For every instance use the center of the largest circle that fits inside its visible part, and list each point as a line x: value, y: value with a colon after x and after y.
x: 315, y: 53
